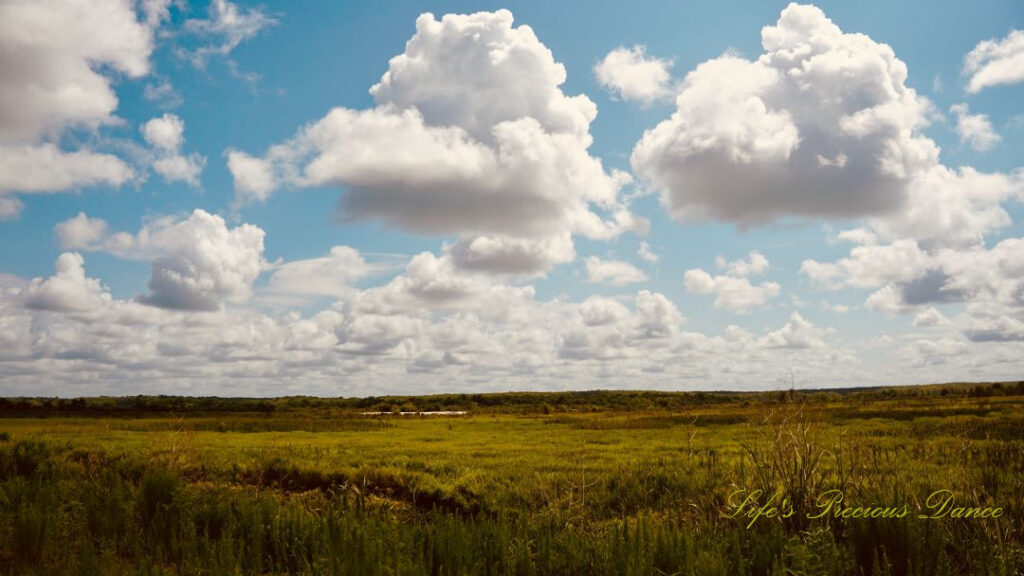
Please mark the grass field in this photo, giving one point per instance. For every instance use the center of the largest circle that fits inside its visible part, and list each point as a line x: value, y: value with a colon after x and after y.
x: 614, y: 483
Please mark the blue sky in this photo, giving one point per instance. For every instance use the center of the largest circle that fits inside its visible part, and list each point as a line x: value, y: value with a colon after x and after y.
x: 207, y: 197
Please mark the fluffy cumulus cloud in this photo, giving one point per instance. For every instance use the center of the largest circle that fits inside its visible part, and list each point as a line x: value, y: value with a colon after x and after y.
x: 613, y: 272
x: 68, y: 289
x: 754, y: 264
x: 81, y: 232
x: 59, y: 57
x: 197, y: 262
x: 822, y: 124
x: 733, y: 290
x: 471, y: 135
x: 995, y: 62
x: 605, y: 329
x: 432, y: 324
x: 166, y: 137
x: 974, y: 130
x: 906, y: 278
x: 512, y: 256
x: 797, y: 333
x: 733, y: 293
x: 630, y: 74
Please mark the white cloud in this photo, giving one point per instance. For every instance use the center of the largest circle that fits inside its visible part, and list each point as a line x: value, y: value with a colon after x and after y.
x: 755, y: 265
x: 820, y: 125
x: 646, y: 254
x: 254, y: 178
x: 613, y: 272
x: 995, y: 62
x: 934, y: 352
x: 81, y: 232
x: 871, y: 266
x: 59, y: 57
x: 798, y: 333
x: 435, y: 283
x: 631, y: 74
x: 974, y: 129
x: 431, y: 325
x: 987, y: 324
x: 10, y: 207
x: 197, y: 262
x: 163, y: 93
x: 600, y: 311
x: 952, y: 208
x: 226, y: 27
x: 606, y: 329
x: 68, y: 289
x: 731, y: 292
x: 512, y: 256
x: 166, y: 135
x: 46, y: 168
x: 60, y: 44
x: 201, y: 262
x: 908, y: 279
x: 330, y: 275
x: 472, y: 136
x: 930, y: 317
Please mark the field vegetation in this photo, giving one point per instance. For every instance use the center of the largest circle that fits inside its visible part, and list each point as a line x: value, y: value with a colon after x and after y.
x: 623, y: 483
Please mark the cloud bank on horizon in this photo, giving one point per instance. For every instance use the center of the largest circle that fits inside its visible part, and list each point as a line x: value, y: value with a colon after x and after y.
x: 790, y: 212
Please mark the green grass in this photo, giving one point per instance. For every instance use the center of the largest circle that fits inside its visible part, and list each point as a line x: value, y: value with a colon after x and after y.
x: 608, y: 483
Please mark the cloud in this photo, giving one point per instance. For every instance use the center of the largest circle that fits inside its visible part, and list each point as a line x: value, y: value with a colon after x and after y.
x: 930, y: 317
x: 45, y: 168
x: 512, y: 256
x: 68, y: 289
x: 974, y: 129
x: 197, y: 262
x: 330, y: 275
x: 163, y: 93
x: 429, y: 326
x: 871, y: 266
x: 908, y: 279
x: 10, y: 207
x: 253, y: 177
x: 225, y: 28
x: 605, y: 329
x: 200, y: 262
x: 432, y: 283
x: 166, y: 135
x: 631, y: 74
x: 613, y: 272
x: 81, y: 232
x: 995, y: 62
x: 59, y: 57
x: 990, y: 324
x: 471, y: 135
x: 600, y: 311
x: 755, y: 265
x: 733, y: 290
x: 646, y: 254
x: 798, y: 333
x: 822, y: 124
x: 952, y: 208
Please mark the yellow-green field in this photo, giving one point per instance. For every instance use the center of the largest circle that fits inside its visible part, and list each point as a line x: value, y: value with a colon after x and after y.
x: 537, y: 488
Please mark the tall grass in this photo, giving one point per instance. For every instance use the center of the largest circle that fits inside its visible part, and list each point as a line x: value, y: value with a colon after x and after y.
x: 579, y: 494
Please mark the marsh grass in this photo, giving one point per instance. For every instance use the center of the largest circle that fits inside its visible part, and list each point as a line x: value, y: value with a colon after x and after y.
x: 619, y: 493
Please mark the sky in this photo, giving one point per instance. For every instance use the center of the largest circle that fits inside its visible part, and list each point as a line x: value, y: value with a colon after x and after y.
x: 365, y: 198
